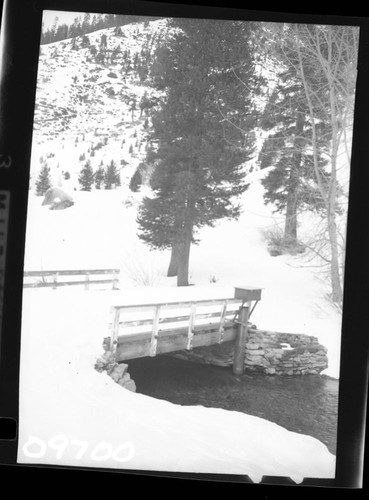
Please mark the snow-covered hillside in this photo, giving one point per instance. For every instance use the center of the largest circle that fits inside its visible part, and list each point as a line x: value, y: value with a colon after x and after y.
x: 69, y: 413
x: 84, y: 107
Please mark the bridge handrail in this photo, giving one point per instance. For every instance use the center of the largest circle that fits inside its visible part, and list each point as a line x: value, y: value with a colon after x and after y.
x: 157, y: 308
x: 176, y: 304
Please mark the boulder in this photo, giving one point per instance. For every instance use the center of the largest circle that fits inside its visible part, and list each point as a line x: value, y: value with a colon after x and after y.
x: 57, y: 199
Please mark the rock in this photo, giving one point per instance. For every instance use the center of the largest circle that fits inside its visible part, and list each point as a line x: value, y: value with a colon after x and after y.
x: 57, y: 199
x: 61, y: 205
x: 130, y: 386
x: 257, y: 352
x: 251, y: 346
x: 270, y: 371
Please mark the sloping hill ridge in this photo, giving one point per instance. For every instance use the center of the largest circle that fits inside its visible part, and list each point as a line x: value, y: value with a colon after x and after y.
x: 88, y: 97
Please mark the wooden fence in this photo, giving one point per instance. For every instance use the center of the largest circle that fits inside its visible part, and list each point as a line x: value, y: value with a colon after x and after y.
x: 55, y: 279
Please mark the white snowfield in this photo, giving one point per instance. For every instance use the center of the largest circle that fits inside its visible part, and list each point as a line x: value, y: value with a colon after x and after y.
x: 70, y: 414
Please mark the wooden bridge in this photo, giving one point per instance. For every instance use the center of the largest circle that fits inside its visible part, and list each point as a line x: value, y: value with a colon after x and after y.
x: 163, y: 327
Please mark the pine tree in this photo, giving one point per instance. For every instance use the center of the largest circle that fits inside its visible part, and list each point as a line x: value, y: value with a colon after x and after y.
x: 86, y: 177
x: 204, y: 129
x: 99, y: 177
x: 291, y: 185
x: 43, y: 182
x: 136, y: 181
x: 112, y: 177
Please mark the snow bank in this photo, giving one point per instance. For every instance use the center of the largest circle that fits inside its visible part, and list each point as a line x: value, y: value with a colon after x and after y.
x: 72, y: 415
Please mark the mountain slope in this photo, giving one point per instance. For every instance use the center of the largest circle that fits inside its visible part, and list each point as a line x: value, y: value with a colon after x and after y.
x: 88, y: 98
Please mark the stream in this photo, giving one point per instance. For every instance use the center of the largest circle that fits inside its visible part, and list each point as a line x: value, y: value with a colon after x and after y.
x: 304, y: 404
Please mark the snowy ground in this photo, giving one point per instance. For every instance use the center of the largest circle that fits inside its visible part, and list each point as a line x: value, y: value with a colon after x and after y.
x: 72, y: 415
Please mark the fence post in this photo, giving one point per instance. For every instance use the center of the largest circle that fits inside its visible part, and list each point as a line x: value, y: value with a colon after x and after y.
x: 87, y: 281
x: 240, y: 342
x: 55, y: 281
x: 115, y: 280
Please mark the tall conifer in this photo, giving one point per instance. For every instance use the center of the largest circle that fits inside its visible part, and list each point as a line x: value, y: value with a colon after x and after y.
x: 204, y: 133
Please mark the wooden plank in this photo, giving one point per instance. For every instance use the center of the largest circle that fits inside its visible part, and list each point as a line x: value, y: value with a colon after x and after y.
x: 191, y: 327
x: 247, y: 293
x: 114, y: 331
x: 154, y: 333
x: 241, y: 338
x: 171, y: 319
x: 178, y: 305
x: 65, y: 283
x: 72, y: 272
x: 222, y: 321
x: 134, y: 346
x: 172, y: 332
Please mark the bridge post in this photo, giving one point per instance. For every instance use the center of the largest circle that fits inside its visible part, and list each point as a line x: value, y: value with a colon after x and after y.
x: 240, y: 342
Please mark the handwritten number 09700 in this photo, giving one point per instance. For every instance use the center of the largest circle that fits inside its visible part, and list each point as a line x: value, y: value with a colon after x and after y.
x: 37, y: 448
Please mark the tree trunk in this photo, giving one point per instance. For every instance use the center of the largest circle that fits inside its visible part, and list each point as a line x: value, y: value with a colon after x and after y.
x: 184, y: 258
x: 337, y: 294
x: 290, y: 229
x: 174, y: 260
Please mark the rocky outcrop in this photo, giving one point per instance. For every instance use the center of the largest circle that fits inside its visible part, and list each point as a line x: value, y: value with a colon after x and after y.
x: 269, y: 352
x: 117, y: 371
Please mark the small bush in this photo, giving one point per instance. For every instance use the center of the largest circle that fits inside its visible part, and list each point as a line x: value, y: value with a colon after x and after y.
x: 141, y: 269
x: 280, y: 244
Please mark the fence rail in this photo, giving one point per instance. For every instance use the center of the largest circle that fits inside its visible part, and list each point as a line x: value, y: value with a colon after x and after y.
x: 51, y: 278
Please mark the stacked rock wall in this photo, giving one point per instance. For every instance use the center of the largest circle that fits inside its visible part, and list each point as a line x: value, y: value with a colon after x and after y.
x: 272, y: 353
x: 284, y: 353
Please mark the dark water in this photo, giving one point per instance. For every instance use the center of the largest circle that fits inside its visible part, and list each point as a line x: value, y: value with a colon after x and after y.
x: 304, y: 404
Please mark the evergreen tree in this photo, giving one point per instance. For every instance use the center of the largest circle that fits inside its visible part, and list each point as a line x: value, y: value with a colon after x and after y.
x: 291, y: 185
x: 111, y: 176
x: 85, y: 41
x: 204, y: 129
x: 86, y: 177
x: 43, y: 182
x: 99, y: 177
x: 136, y: 181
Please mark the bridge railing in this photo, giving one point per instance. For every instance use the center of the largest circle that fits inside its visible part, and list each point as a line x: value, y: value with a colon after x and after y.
x: 149, y: 329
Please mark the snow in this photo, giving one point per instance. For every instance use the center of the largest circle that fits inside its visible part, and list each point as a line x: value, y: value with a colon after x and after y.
x: 66, y: 408
x: 70, y: 414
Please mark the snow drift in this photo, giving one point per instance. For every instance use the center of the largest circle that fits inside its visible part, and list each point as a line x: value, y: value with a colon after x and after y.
x: 72, y: 415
